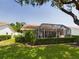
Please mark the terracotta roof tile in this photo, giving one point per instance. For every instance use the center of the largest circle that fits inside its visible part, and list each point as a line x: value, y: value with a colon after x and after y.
x: 29, y: 27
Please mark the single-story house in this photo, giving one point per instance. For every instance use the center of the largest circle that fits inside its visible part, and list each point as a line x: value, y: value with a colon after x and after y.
x: 48, y: 30
x: 5, y: 29
x: 74, y: 31
x: 53, y: 30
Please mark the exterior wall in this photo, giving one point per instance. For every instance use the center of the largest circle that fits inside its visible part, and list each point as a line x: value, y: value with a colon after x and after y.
x: 5, y: 31
x: 74, y: 31
x: 50, y: 30
x: 47, y: 30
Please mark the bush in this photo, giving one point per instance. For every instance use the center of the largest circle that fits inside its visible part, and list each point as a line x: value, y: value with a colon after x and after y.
x: 55, y: 41
x: 30, y: 36
x: 27, y: 37
x: 19, y: 38
x: 77, y: 38
x: 4, y: 37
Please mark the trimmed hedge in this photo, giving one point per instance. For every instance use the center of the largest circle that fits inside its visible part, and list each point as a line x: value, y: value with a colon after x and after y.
x: 24, y: 39
x: 55, y: 41
x: 77, y: 38
x: 20, y: 38
x: 4, y: 37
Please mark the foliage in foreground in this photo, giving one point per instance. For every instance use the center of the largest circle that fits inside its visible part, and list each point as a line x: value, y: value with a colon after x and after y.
x: 20, y: 51
x: 30, y: 36
x: 55, y: 40
x: 4, y: 37
x: 20, y: 39
x: 27, y: 37
x: 17, y: 27
x: 65, y: 6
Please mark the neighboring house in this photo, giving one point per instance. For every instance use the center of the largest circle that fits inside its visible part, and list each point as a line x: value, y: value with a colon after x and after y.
x: 5, y: 29
x: 48, y: 30
x: 74, y: 31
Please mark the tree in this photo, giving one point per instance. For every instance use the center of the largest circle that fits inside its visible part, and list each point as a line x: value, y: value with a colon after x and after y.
x: 30, y: 36
x: 17, y: 26
x: 61, y: 4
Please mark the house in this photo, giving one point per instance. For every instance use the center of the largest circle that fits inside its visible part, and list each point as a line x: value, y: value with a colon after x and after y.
x: 74, y: 31
x: 29, y: 27
x: 5, y: 29
x: 48, y: 30
x: 53, y: 30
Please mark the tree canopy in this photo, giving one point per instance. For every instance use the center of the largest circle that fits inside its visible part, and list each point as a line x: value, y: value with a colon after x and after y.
x: 65, y: 6
x: 17, y: 26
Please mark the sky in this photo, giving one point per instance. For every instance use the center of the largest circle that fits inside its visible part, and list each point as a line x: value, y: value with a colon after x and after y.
x: 12, y: 12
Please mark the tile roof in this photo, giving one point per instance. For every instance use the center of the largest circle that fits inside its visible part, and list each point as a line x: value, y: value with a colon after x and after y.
x: 43, y: 25
x: 29, y: 27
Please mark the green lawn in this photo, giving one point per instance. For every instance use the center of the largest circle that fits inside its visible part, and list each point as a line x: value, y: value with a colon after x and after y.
x: 58, y: 51
x: 7, y: 42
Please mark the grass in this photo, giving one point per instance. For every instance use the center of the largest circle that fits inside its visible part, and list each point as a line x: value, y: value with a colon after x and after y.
x: 57, y: 51
x: 7, y: 42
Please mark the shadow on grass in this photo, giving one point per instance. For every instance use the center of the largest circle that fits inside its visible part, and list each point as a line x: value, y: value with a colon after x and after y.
x: 19, y: 51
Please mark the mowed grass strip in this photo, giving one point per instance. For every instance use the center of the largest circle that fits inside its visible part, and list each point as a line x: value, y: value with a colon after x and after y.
x: 57, y: 51
x: 7, y: 42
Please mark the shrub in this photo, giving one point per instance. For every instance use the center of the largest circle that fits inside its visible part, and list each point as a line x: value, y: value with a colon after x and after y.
x: 4, y: 37
x: 77, y: 38
x: 27, y: 37
x: 55, y: 41
x: 19, y: 38
x: 30, y: 36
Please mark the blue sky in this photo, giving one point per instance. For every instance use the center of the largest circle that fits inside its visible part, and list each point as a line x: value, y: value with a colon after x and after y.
x: 10, y: 11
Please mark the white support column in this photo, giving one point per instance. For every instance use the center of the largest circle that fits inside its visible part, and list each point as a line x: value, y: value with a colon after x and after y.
x: 64, y: 32
x: 56, y: 33
x: 44, y: 33
x: 38, y: 34
x: 59, y: 34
